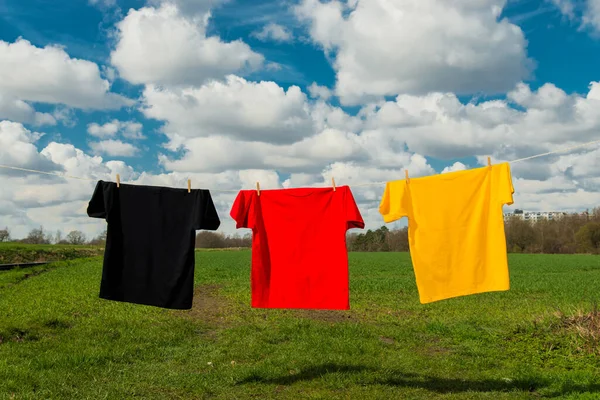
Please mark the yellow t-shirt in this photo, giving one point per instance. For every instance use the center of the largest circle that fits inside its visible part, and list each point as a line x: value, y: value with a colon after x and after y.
x: 455, y: 229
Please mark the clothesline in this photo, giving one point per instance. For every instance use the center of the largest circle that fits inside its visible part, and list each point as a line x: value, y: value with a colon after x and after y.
x: 563, y: 150
x: 47, y: 173
x: 356, y: 184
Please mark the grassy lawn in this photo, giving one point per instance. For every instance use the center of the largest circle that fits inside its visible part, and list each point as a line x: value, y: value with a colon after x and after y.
x: 59, y: 340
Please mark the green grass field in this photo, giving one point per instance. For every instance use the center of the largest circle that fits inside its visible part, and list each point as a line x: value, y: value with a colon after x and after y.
x: 538, y: 340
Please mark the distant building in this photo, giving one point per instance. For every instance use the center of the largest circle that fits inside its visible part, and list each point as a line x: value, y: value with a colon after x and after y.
x: 535, y: 215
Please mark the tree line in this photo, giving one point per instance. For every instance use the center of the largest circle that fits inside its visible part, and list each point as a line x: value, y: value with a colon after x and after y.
x: 218, y: 240
x: 572, y: 233
x: 42, y: 236
x: 204, y: 239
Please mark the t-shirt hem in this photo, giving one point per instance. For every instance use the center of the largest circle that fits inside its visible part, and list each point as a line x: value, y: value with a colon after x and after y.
x: 147, y: 303
x: 303, y: 307
x: 451, y: 295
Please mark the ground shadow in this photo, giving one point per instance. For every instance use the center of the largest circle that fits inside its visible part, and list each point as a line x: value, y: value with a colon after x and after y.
x: 431, y: 383
x: 306, y: 374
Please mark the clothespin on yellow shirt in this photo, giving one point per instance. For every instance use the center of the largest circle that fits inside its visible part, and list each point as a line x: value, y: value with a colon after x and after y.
x: 333, y: 183
x: 189, y: 186
x: 258, y: 188
x: 118, y: 181
x: 406, y: 175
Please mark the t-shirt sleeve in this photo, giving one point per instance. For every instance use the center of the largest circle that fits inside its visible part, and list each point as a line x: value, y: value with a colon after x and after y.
x: 100, y: 203
x: 241, y: 210
x: 395, y: 202
x: 352, y: 214
x: 505, y: 185
x: 206, y: 213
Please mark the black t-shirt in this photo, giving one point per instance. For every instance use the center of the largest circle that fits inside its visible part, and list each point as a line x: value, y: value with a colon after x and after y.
x: 149, y: 255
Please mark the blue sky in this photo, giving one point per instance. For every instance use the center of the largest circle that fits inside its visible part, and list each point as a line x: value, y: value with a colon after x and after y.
x: 551, y: 48
x: 564, y: 55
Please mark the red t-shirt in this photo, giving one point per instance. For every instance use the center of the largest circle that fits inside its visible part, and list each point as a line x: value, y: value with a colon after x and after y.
x: 299, y: 255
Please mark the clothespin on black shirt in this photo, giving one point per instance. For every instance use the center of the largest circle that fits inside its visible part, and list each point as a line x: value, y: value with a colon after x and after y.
x: 189, y: 186
x: 118, y: 181
x: 258, y: 188
x: 406, y: 175
x: 333, y: 183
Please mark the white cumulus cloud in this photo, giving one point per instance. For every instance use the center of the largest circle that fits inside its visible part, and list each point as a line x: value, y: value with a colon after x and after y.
x: 18, y: 149
x: 252, y: 111
x: 49, y: 75
x: 317, y: 91
x: 162, y: 46
x: 115, y: 148
x: 382, y: 47
x: 274, y: 32
x: 20, y: 111
x: 129, y: 129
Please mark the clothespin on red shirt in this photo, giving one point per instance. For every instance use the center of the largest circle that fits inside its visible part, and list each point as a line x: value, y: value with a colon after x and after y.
x: 333, y: 183
x: 406, y: 175
x: 489, y: 161
x: 258, y: 188
x: 189, y: 186
x: 118, y: 181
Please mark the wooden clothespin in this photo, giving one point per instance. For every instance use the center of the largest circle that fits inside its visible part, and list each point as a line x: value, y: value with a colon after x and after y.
x: 189, y: 186
x: 118, y: 180
x: 406, y: 175
x: 333, y: 183
x: 258, y: 188
x: 489, y: 161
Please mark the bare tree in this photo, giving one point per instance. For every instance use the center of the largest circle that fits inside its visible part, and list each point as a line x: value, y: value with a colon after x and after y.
x: 520, y: 235
x: 36, y: 236
x: 4, y: 235
x: 99, y: 240
x: 398, y: 240
x: 58, y: 237
x: 210, y: 240
x: 76, y: 237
